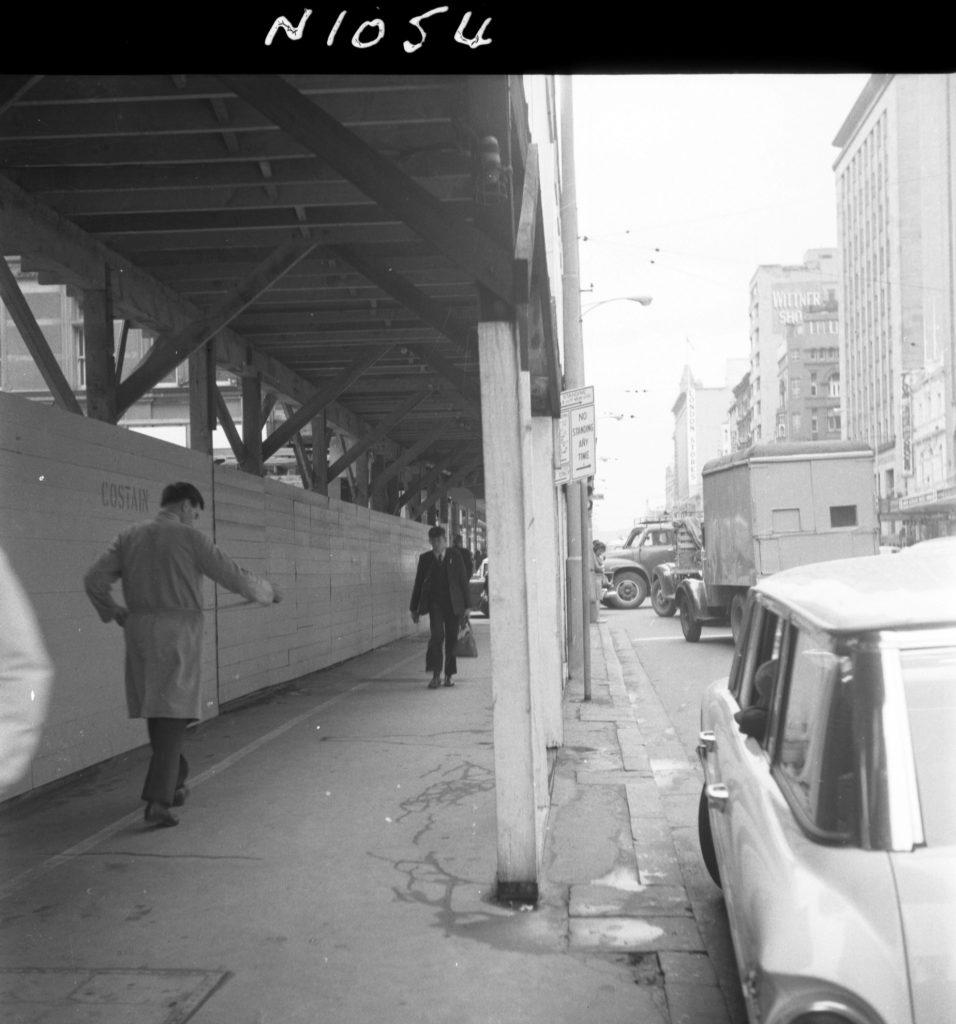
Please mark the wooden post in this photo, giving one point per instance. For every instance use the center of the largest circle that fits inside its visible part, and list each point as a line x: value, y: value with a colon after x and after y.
x: 320, y: 455
x: 202, y: 399
x: 252, y: 424
x: 100, y: 345
x: 506, y: 437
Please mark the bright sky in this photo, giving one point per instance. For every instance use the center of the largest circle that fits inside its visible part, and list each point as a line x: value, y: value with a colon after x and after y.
x: 685, y: 185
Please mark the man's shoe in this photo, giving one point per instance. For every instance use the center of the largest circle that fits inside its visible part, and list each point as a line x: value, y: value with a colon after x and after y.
x: 448, y: 681
x: 179, y: 797
x: 435, y: 683
x: 161, y: 817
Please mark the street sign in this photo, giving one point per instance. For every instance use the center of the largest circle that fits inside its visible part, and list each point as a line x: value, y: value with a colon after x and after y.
x: 577, y: 408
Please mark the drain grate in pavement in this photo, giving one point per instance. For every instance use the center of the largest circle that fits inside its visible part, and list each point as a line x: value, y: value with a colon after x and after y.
x: 93, y: 995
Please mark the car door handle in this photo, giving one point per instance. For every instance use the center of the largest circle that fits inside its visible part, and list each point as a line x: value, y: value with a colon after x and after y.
x: 717, y: 795
x: 707, y: 741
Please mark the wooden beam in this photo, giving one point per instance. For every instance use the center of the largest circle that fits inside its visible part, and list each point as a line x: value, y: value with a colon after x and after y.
x: 444, y: 320
x: 378, y: 432
x: 442, y: 487
x: 320, y: 455
x: 252, y: 425
x: 225, y: 418
x: 380, y: 179
x: 268, y: 404
x: 410, y: 455
x: 466, y: 395
x: 422, y: 484
x: 169, y: 351
x: 34, y: 340
x: 321, y: 398
x: 40, y: 235
x: 202, y: 401
x: 13, y: 87
x: 298, y: 448
x: 99, y: 341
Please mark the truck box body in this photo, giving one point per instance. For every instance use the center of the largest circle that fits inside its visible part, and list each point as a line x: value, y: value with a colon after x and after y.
x: 773, y: 506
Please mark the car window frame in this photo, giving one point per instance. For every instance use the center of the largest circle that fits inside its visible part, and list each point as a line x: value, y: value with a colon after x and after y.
x: 795, y: 629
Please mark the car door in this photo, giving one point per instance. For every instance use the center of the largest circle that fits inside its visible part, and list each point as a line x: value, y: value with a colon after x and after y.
x: 741, y: 788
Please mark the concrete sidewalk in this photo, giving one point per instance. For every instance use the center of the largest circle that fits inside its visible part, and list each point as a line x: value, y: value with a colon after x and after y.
x: 335, y: 863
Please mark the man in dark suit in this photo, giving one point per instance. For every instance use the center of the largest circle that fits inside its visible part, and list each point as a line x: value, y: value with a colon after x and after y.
x: 441, y: 593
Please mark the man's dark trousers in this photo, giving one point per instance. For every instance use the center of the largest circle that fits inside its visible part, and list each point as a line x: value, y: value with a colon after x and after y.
x: 167, y: 767
x: 444, y: 632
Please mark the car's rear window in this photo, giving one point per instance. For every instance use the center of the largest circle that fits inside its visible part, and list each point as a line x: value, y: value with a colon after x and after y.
x: 929, y: 680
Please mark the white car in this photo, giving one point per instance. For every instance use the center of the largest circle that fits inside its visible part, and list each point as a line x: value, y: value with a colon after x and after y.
x: 828, y: 812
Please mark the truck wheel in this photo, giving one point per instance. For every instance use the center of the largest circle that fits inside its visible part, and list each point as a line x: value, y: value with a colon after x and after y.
x: 663, y: 606
x: 706, y: 838
x: 737, y: 620
x: 689, y: 625
x: 631, y: 590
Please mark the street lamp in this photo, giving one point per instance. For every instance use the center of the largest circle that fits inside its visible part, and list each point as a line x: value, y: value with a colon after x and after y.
x: 642, y: 300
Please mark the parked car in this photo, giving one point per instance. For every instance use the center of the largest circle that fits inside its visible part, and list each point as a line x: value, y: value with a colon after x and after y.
x: 628, y: 569
x: 478, y: 589
x: 827, y: 813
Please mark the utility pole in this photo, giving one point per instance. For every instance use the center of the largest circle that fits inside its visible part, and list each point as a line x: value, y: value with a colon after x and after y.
x: 578, y: 569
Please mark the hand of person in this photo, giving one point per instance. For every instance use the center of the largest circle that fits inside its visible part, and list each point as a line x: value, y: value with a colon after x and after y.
x: 415, y: 618
x: 276, y: 594
x: 120, y: 616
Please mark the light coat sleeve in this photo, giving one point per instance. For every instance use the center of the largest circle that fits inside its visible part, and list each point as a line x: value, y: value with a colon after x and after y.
x: 99, y: 580
x: 26, y: 676
x: 223, y: 570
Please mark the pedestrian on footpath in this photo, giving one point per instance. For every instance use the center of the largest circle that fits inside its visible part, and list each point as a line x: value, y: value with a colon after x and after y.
x: 441, y: 593
x: 161, y: 564
x: 26, y: 675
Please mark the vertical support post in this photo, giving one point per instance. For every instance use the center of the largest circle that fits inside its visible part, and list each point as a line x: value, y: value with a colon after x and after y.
x: 548, y: 673
x: 579, y: 559
x: 252, y: 423
x: 360, y: 497
x: 202, y: 398
x: 320, y: 455
x: 506, y: 445
x: 100, y: 346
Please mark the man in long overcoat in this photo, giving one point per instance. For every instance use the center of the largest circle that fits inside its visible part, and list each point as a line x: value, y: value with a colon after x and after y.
x: 161, y: 564
x: 441, y: 593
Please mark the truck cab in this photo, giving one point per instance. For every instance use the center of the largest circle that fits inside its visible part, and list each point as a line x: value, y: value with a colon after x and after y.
x: 629, y: 569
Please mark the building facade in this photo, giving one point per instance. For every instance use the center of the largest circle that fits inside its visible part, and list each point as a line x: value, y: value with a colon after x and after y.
x: 808, y: 375
x: 700, y: 416
x: 784, y: 298
x: 897, y: 231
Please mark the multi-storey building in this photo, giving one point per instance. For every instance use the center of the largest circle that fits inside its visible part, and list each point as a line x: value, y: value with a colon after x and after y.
x: 897, y: 231
x: 783, y: 297
x: 739, y: 415
x: 699, y: 417
x: 808, y: 373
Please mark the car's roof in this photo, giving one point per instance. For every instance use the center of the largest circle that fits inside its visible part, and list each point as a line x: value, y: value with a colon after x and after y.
x: 914, y: 588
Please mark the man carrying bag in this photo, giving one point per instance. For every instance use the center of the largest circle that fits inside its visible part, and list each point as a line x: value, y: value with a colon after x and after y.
x: 441, y: 593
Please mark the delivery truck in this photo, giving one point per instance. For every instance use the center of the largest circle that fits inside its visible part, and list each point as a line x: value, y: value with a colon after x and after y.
x: 770, y: 507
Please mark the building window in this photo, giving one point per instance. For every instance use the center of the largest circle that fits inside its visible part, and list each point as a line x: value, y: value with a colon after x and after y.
x: 833, y: 386
x: 833, y: 420
x: 813, y: 383
x: 794, y: 424
x: 795, y: 387
x: 842, y: 515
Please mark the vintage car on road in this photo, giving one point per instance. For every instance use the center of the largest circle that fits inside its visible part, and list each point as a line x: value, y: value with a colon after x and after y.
x: 827, y: 813
x: 478, y: 589
x: 628, y: 569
